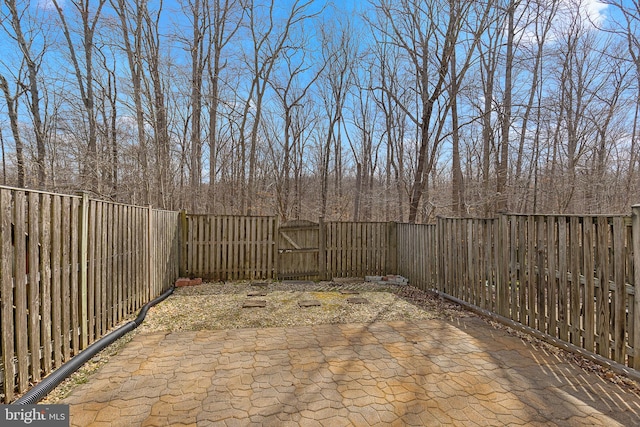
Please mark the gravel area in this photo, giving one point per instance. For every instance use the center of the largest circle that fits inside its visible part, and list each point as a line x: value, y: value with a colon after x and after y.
x: 213, y: 306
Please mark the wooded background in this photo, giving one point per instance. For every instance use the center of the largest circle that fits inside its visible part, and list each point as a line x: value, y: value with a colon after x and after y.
x: 393, y: 110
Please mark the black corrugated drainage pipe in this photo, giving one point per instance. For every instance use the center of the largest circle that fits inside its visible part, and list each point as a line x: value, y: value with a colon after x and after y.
x: 40, y: 390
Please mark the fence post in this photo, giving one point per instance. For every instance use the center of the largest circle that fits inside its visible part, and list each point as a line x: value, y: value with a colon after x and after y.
x: 502, y: 269
x: 150, y: 261
x: 322, y: 250
x: 84, y: 249
x: 635, y: 214
x: 276, y: 248
x: 183, y: 243
x: 392, y: 248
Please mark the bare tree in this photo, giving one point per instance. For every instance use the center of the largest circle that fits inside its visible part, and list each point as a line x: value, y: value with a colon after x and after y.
x: 226, y: 19
x: 427, y: 32
x: 89, y: 20
x: 12, y: 108
x: 339, y: 51
x: 32, y: 61
x: 270, y: 39
x: 107, y: 108
x: 131, y: 17
x: 540, y: 26
x: 291, y: 87
x: 364, y: 144
x: 195, y: 42
x: 629, y: 28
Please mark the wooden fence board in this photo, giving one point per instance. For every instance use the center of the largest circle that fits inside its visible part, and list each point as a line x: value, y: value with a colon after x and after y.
x: 98, y: 269
x: 471, y: 254
x: 99, y: 222
x: 91, y: 271
x: 602, y: 302
x: 620, y: 300
x: 521, y: 270
x: 45, y: 281
x: 74, y: 297
x: 20, y: 289
x: 552, y: 277
x: 503, y: 255
x: 574, y: 294
x: 122, y: 303
x: 65, y: 279
x: 108, y: 262
x: 589, y: 285
x: 635, y: 267
x: 7, y: 336
x: 56, y: 305
x: 34, y: 285
x: 562, y: 288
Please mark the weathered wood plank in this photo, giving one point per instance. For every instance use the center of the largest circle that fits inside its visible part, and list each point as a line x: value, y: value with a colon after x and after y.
x: 34, y: 285
x: 111, y: 291
x: 84, y: 254
x: 56, y: 304
x: 513, y: 268
x: 541, y: 279
x: 100, y: 270
x: 6, y: 305
x: 620, y: 318
x: 91, y: 272
x: 552, y: 276
x: 473, y: 273
x: 75, y: 279
x: 563, y: 269
x: 636, y: 284
x: 602, y: 293
x: 589, y: 286
x: 521, y: 274
x: 20, y: 282
x: 45, y: 281
x: 574, y: 294
x: 65, y: 282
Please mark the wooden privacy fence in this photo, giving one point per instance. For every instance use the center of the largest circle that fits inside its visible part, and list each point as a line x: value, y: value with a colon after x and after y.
x: 417, y: 254
x: 228, y: 247
x: 72, y: 268
x: 570, y: 277
x: 236, y: 248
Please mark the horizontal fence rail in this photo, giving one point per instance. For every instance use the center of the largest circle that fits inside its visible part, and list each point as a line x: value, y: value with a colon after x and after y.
x: 72, y: 268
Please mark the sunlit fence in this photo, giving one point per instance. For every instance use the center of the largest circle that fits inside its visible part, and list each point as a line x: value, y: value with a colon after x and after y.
x: 570, y: 277
x: 73, y: 268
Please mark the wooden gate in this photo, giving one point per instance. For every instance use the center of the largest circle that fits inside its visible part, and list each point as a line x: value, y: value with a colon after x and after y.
x: 299, y: 250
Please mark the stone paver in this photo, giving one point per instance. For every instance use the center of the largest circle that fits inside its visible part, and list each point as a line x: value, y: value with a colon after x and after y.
x: 424, y: 373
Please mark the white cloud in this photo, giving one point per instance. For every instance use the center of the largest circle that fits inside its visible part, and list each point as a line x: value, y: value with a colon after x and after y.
x: 588, y: 14
x: 48, y: 4
x: 594, y: 11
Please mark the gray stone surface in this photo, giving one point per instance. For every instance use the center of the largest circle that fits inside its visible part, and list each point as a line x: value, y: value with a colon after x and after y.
x: 426, y: 373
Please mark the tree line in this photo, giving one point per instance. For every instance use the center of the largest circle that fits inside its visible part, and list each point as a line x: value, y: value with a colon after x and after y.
x: 401, y: 110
